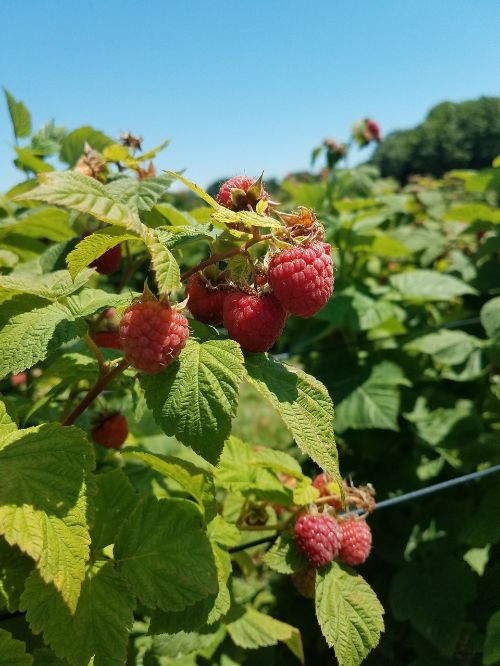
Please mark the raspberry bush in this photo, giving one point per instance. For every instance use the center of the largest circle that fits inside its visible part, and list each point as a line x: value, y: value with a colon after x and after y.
x: 169, y: 483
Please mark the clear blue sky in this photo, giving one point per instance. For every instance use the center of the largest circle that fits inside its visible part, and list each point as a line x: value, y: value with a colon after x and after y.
x: 242, y: 86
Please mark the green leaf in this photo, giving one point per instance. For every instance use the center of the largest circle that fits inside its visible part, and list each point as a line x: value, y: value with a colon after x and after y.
x: 164, y: 264
x: 223, y: 533
x: 305, y: 493
x: 445, y: 346
x: 369, y: 397
x: 12, y: 651
x: 44, y: 501
x: 89, y: 301
x: 86, y: 195
x: 73, y: 143
x: 150, y: 154
x: 490, y: 318
x: 139, y: 194
x: 51, y: 286
x: 92, y: 247
x: 97, y: 629
x: 27, y: 159
x: 114, y: 502
x: 426, y: 285
x: 14, y: 569
x: 7, y: 423
x: 284, y: 556
x: 357, y: 311
x: 255, y: 630
x: 491, y: 647
x: 194, y: 480
x: 47, y: 222
x: 195, y: 398
x: 42, y: 329
x: 19, y: 115
x: 433, y: 597
x: 164, y: 554
x: 223, y: 216
x: 194, y: 188
x: 472, y: 212
x: 302, y: 402
x: 349, y: 613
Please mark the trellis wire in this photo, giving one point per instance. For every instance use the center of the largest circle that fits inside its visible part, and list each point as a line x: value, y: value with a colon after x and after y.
x: 392, y: 501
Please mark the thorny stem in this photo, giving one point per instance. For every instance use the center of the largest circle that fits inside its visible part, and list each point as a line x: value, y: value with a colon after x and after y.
x: 102, y: 381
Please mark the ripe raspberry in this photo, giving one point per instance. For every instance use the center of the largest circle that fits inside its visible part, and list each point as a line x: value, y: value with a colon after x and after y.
x: 109, y: 262
x: 255, y: 322
x: 327, y: 486
x: 253, y: 192
x: 111, y: 431
x: 356, y: 541
x: 19, y: 379
x: 302, y: 278
x: 304, y: 582
x: 373, y: 130
x: 318, y: 537
x: 152, y: 335
x: 108, y: 339
x: 205, y: 303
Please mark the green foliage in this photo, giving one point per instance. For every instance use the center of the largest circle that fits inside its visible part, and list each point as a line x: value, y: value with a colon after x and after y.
x: 463, y: 135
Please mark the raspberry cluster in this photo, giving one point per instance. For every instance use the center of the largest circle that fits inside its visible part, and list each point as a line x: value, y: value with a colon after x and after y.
x: 297, y: 281
x: 322, y: 538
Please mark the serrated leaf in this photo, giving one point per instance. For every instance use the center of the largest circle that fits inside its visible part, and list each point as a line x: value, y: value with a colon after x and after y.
x: 255, y: 630
x: 194, y: 188
x: 7, y: 423
x: 196, y: 397
x: 164, y: 554
x: 224, y: 216
x: 48, y: 222
x: 98, y: 628
x: 51, y: 286
x: 44, y: 501
x: 114, y: 502
x: 450, y: 585
x: 491, y: 647
x: 12, y: 651
x: 194, y: 480
x: 426, y: 285
x: 150, y: 154
x: 89, y: 301
x: 305, y: 493
x: 92, y: 247
x: 42, y: 328
x: 86, y: 195
x: 445, y: 346
x: 284, y: 556
x: 164, y: 264
x: 19, y: 115
x: 302, y: 402
x: 139, y: 194
x: 348, y: 612
x: 490, y: 318
x: 73, y: 143
x: 224, y: 533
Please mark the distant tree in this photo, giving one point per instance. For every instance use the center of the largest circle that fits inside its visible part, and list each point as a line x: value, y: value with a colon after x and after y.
x: 462, y: 135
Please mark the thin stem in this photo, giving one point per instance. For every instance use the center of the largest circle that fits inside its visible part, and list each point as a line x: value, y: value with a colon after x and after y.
x: 102, y: 381
x: 96, y: 351
x: 262, y: 528
x: 221, y: 256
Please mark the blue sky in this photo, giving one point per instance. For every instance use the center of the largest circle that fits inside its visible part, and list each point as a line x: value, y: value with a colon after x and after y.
x: 240, y: 87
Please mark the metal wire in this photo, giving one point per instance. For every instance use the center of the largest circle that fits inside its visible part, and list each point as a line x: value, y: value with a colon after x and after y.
x: 392, y: 501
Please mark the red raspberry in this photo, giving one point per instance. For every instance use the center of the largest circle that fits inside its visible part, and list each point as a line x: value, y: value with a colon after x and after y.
x: 19, y: 379
x: 302, y: 278
x: 255, y: 322
x: 110, y: 431
x: 229, y: 197
x: 327, y: 486
x: 356, y: 541
x: 205, y: 303
x: 373, y: 130
x: 108, y: 339
x: 304, y: 582
x: 109, y: 262
x: 152, y: 335
x: 318, y: 537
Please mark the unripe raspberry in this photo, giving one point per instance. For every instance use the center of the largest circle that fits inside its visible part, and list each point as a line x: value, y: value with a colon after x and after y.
x: 302, y: 278
x: 255, y: 322
x: 109, y: 262
x: 205, y: 303
x: 304, y: 582
x: 356, y: 541
x: 110, y: 431
x: 327, y: 486
x: 152, y: 335
x: 318, y: 536
x: 241, y: 193
x: 108, y: 339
